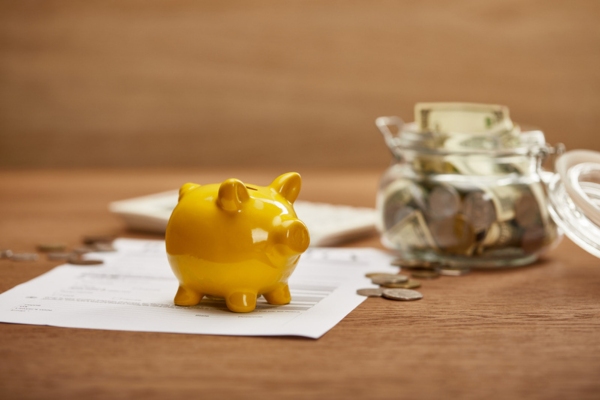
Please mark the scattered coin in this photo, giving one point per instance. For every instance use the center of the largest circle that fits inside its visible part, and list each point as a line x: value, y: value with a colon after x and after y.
x: 5, y: 253
x: 83, y: 261
x: 370, y: 292
x: 381, y: 279
x: 410, y: 284
x: 425, y: 274
x: 83, y: 250
x: 454, y: 271
x: 51, y: 247
x: 59, y: 255
x: 103, y: 247
x: 24, y: 257
x: 401, y: 294
x: 372, y: 274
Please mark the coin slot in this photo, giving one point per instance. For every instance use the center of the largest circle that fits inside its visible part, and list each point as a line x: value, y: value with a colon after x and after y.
x: 250, y: 187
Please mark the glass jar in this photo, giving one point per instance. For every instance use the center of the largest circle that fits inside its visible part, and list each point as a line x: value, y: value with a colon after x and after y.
x: 476, y: 200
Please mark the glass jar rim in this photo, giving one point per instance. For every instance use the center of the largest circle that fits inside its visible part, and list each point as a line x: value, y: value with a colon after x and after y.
x: 407, y: 136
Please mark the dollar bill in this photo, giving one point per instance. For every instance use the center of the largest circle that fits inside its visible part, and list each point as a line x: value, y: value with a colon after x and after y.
x: 462, y: 117
x: 411, y: 233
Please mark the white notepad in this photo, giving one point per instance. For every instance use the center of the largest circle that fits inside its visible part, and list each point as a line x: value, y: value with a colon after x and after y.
x: 134, y: 289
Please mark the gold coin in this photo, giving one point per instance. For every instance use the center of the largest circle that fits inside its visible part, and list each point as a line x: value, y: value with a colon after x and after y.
x: 410, y: 284
x: 372, y: 274
x: 380, y: 280
x: 51, y: 247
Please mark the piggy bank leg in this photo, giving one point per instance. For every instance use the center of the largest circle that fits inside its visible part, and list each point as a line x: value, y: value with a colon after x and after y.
x: 187, y: 297
x: 241, y: 302
x: 281, y: 295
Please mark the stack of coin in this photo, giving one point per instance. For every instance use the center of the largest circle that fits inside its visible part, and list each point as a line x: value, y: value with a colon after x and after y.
x: 398, y: 286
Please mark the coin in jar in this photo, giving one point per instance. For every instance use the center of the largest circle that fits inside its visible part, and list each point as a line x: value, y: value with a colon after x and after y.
x: 454, y: 235
x: 402, y: 294
x: 443, y: 202
x: 527, y: 211
x: 533, y: 239
x: 370, y: 292
x: 479, y: 210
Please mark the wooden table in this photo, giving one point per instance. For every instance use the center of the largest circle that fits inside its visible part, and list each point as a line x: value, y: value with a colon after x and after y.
x: 531, y: 332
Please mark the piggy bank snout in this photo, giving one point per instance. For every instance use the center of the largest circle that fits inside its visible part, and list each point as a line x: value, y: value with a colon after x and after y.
x: 295, y: 236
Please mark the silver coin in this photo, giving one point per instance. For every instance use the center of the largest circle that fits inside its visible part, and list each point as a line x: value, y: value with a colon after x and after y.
x: 82, y: 261
x: 24, y: 257
x: 401, y: 294
x: 370, y: 292
x: 479, y: 210
x: 443, y: 202
x: 380, y: 279
x: 454, y: 271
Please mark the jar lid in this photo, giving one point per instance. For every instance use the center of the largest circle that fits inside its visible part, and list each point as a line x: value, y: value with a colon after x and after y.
x: 574, y: 194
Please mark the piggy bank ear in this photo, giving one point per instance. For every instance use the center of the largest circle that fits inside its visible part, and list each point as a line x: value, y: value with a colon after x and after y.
x: 186, y: 188
x: 288, y: 185
x: 232, y: 194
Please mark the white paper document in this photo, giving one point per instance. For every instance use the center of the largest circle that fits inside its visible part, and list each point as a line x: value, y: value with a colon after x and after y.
x: 133, y: 291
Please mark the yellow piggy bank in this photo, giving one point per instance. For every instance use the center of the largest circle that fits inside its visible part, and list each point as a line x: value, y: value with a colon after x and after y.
x: 236, y: 241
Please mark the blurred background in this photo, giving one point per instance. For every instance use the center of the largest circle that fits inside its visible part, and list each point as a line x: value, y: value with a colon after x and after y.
x: 159, y: 83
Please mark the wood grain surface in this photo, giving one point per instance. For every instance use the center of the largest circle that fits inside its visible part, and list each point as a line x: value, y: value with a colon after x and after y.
x: 270, y: 83
x: 526, y: 333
